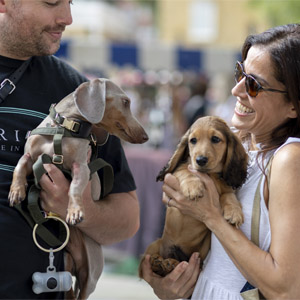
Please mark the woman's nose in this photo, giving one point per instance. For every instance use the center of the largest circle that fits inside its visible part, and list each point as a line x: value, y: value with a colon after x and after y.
x: 239, y: 90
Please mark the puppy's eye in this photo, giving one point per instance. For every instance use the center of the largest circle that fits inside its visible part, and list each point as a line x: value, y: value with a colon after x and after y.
x: 126, y: 102
x: 215, y: 139
x: 193, y: 141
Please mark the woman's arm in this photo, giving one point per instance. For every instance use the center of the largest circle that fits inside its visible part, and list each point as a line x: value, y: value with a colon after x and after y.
x: 114, y: 218
x: 275, y: 273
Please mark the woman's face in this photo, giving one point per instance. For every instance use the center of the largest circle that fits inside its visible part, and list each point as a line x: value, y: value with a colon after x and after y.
x: 260, y: 115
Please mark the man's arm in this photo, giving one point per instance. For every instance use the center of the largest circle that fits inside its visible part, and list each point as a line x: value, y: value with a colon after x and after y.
x: 110, y: 220
x: 113, y: 219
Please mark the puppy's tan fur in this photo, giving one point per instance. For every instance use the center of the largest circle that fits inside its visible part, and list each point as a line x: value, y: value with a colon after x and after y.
x: 209, y: 146
x: 106, y: 106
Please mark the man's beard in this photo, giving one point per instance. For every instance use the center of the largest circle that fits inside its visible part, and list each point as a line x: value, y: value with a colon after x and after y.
x: 23, y: 44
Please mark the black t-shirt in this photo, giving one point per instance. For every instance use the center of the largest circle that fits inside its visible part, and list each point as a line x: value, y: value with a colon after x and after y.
x: 47, y: 80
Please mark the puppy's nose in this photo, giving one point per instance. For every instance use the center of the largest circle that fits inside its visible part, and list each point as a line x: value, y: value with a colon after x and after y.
x: 201, y: 160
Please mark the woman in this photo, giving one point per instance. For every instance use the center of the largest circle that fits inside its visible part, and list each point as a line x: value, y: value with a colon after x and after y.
x: 267, y: 116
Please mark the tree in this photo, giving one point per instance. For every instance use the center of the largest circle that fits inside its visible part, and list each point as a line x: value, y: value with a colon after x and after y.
x: 278, y: 12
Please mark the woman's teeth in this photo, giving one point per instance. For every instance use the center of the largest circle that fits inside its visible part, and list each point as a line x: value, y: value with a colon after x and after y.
x: 240, y: 108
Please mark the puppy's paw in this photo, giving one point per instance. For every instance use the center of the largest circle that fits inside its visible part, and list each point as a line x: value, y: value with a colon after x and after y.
x: 169, y: 265
x: 156, y: 264
x: 192, y: 188
x: 234, y: 215
x: 162, y: 266
x: 16, y: 194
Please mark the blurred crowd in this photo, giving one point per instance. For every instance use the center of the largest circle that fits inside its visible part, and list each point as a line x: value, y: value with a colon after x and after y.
x: 168, y: 102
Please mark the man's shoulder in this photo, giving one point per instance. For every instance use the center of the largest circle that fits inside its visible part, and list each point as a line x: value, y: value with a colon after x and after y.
x: 58, y: 70
x: 55, y: 64
x: 52, y: 60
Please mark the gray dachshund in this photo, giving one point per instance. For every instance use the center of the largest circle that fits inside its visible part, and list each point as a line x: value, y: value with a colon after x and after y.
x: 100, y: 103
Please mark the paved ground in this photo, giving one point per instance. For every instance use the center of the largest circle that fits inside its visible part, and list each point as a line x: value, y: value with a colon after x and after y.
x: 119, y: 280
x: 117, y: 287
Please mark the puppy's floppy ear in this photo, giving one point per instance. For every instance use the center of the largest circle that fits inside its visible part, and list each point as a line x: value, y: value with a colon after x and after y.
x: 89, y: 99
x: 235, y: 167
x: 180, y: 155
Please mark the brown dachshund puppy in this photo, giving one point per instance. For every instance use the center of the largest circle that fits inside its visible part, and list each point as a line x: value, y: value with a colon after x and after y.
x: 98, y: 105
x: 209, y: 146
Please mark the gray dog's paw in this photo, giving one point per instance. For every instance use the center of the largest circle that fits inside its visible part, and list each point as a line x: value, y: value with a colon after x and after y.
x: 16, y: 194
x: 74, y: 216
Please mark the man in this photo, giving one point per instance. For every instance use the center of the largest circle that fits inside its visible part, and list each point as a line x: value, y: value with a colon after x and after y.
x: 33, y: 29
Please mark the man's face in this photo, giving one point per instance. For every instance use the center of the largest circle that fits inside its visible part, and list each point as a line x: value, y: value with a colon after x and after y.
x: 33, y: 27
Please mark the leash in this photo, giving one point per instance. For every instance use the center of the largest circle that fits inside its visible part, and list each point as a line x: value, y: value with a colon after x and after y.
x: 8, y: 85
x: 33, y: 213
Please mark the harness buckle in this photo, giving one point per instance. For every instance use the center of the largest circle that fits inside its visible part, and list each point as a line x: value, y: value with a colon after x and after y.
x: 4, y: 82
x: 71, y: 125
x: 58, y: 159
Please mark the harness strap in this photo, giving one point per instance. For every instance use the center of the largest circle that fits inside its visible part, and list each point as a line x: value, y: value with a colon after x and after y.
x: 8, y: 85
x: 58, y: 158
x: 76, y: 128
x: 94, y: 166
x: 108, y: 174
x: 33, y: 215
x: 39, y: 170
x: 61, y: 130
x: 39, y: 218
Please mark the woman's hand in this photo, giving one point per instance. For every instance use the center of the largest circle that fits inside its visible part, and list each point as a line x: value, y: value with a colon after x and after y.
x: 203, y: 209
x: 180, y: 283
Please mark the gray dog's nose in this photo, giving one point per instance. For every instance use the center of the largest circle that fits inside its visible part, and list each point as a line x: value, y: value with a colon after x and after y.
x: 145, y: 137
x: 201, y: 160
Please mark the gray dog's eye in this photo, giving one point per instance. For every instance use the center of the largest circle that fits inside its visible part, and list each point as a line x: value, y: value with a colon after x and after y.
x: 215, y: 139
x: 193, y: 141
x: 126, y: 102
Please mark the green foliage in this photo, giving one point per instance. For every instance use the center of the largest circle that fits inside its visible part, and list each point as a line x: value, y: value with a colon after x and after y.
x: 151, y: 3
x: 278, y: 12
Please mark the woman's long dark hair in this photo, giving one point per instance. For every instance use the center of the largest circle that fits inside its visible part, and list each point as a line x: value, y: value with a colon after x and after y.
x: 283, y: 44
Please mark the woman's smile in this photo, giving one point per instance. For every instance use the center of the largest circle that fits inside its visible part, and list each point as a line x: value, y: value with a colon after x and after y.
x: 242, y: 110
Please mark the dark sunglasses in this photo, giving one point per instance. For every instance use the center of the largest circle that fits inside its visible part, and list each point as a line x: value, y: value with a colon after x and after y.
x: 253, y: 87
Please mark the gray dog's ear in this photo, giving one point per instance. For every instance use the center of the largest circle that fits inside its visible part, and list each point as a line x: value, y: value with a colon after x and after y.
x: 180, y: 155
x: 89, y: 99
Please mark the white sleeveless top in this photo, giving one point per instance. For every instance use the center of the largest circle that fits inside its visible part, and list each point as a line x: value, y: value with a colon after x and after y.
x: 220, y: 279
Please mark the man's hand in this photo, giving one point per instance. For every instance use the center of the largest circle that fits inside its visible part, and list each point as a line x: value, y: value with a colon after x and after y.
x: 109, y: 220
